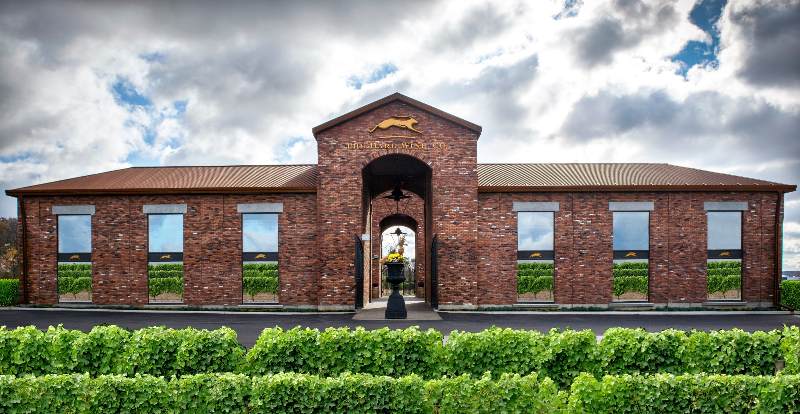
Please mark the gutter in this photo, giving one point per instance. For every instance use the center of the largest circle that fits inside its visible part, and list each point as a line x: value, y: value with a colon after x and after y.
x: 778, y: 250
x: 23, y: 251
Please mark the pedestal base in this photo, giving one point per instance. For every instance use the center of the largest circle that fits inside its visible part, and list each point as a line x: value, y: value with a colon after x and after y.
x: 396, y: 306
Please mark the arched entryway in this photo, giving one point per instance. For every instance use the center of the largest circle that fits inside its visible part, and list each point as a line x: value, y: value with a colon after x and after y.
x: 396, y: 193
x: 399, y: 234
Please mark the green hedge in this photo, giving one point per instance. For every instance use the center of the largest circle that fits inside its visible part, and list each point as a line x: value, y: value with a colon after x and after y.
x: 74, y: 285
x: 113, y: 350
x: 75, y: 273
x: 260, y: 273
x: 725, y: 264
x: 624, y: 284
x: 74, y: 267
x: 165, y: 266
x: 790, y: 294
x: 535, y: 272
x: 630, y: 272
x: 694, y: 393
x: 255, y: 285
x: 724, y: 283
x: 560, y: 355
x: 284, y: 393
x: 533, y: 284
x: 535, y: 266
x: 9, y: 292
x: 336, y: 350
x: 631, y: 265
x: 158, y: 274
x: 161, y: 285
x: 362, y: 393
x: 260, y: 267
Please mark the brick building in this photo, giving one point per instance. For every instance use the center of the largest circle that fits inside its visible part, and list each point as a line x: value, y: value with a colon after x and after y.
x: 487, y: 235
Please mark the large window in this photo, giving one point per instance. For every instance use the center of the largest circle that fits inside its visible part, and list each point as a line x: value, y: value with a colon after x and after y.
x: 260, y: 258
x: 724, y: 269
x: 631, y: 255
x: 535, y: 256
x: 165, y: 258
x: 75, y: 258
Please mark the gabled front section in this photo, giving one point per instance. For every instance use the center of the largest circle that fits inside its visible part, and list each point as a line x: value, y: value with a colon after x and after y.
x: 484, y: 236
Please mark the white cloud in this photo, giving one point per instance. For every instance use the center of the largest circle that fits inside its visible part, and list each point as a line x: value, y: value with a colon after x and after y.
x: 597, y: 86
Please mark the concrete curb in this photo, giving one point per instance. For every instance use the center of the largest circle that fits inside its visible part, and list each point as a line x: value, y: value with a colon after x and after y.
x: 643, y: 313
x: 179, y: 312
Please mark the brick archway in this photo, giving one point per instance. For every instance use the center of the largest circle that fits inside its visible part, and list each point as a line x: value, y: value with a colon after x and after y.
x: 381, y: 176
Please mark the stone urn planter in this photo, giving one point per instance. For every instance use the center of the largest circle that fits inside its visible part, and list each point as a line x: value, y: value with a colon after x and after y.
x: 396, y: 305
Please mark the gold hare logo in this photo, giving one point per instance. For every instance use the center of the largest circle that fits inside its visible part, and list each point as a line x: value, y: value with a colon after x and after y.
x: 405, y: 122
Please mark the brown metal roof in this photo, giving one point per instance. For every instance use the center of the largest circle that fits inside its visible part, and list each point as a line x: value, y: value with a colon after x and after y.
x: 222, y: 179
x: 389, y: 99
x: 491, y: 178
x: 612, y: 176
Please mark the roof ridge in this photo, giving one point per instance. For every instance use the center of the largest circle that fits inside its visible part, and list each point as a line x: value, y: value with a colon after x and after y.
x: 221, y: 165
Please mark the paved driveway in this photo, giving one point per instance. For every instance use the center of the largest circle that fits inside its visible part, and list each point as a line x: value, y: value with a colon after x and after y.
x: 249, y: 325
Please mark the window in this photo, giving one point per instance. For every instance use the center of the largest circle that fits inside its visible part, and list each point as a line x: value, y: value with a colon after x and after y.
x: 631, y: 244
x: 724, y: 266
x: 535, y: 255
x: 74, y: 266
x: 260, y: 258
x: 165, y: 258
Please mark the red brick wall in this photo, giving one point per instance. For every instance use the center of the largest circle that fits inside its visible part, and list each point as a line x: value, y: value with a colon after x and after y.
x: 212, y: 248
x: 454, y: 198
x: 583, y: 246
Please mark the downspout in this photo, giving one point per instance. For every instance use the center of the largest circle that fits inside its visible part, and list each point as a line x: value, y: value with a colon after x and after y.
x: 778, y: 250
x: 23, y: 251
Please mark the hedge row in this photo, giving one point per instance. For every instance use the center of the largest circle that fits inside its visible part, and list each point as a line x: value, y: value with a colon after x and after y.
x: 113, y: 350
x: 157, y: 274
x: 695, y: 393
x: 631, y: 265
x: 285, y: 393
x: 558, y: 355
x: 534, y: 266
x: 161, y: 285
x: 725, y: 264
x: 724, y: 271
x: 9, y: 292
x: 724, y: 283
x: 255, y: 285
x: 625, y: 284
x: 535, y: 272
x: 74, y: 267
x: 562, y: 355
x: 74, y: 285
x: 336, y: 350
x: 259, y: 273
x: 260, y: 266
x: 75, y: 273
x: 534, y: 284
x: 630, y: 272
x: 790, y: 293
x: 165, y: 266
x: 362, y: 393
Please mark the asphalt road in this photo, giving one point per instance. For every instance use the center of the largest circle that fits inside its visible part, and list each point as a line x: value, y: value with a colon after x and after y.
x: 249, y: 326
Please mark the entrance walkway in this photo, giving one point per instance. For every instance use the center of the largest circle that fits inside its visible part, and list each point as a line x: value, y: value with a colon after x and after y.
x: 417, y: 309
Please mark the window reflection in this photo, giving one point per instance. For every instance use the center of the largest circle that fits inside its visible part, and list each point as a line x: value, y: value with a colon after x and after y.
x: 724, y: 268
x: 165, y: 232
x: 260, y: 268
x: 535, y: 266
x: 74, y: 267
x: 631, y: 245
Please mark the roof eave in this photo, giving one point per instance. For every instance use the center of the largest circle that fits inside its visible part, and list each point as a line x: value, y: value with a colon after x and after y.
x: 148, y: 191
x: 781, y: 188
x: 392, y: 98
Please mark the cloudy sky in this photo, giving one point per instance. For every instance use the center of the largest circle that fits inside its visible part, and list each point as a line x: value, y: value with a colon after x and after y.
x: 88, y: 87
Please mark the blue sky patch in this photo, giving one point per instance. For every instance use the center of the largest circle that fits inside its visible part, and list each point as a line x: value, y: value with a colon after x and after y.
x: 125, y: 93
x: 705, y: 15
x: 381, y: 72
